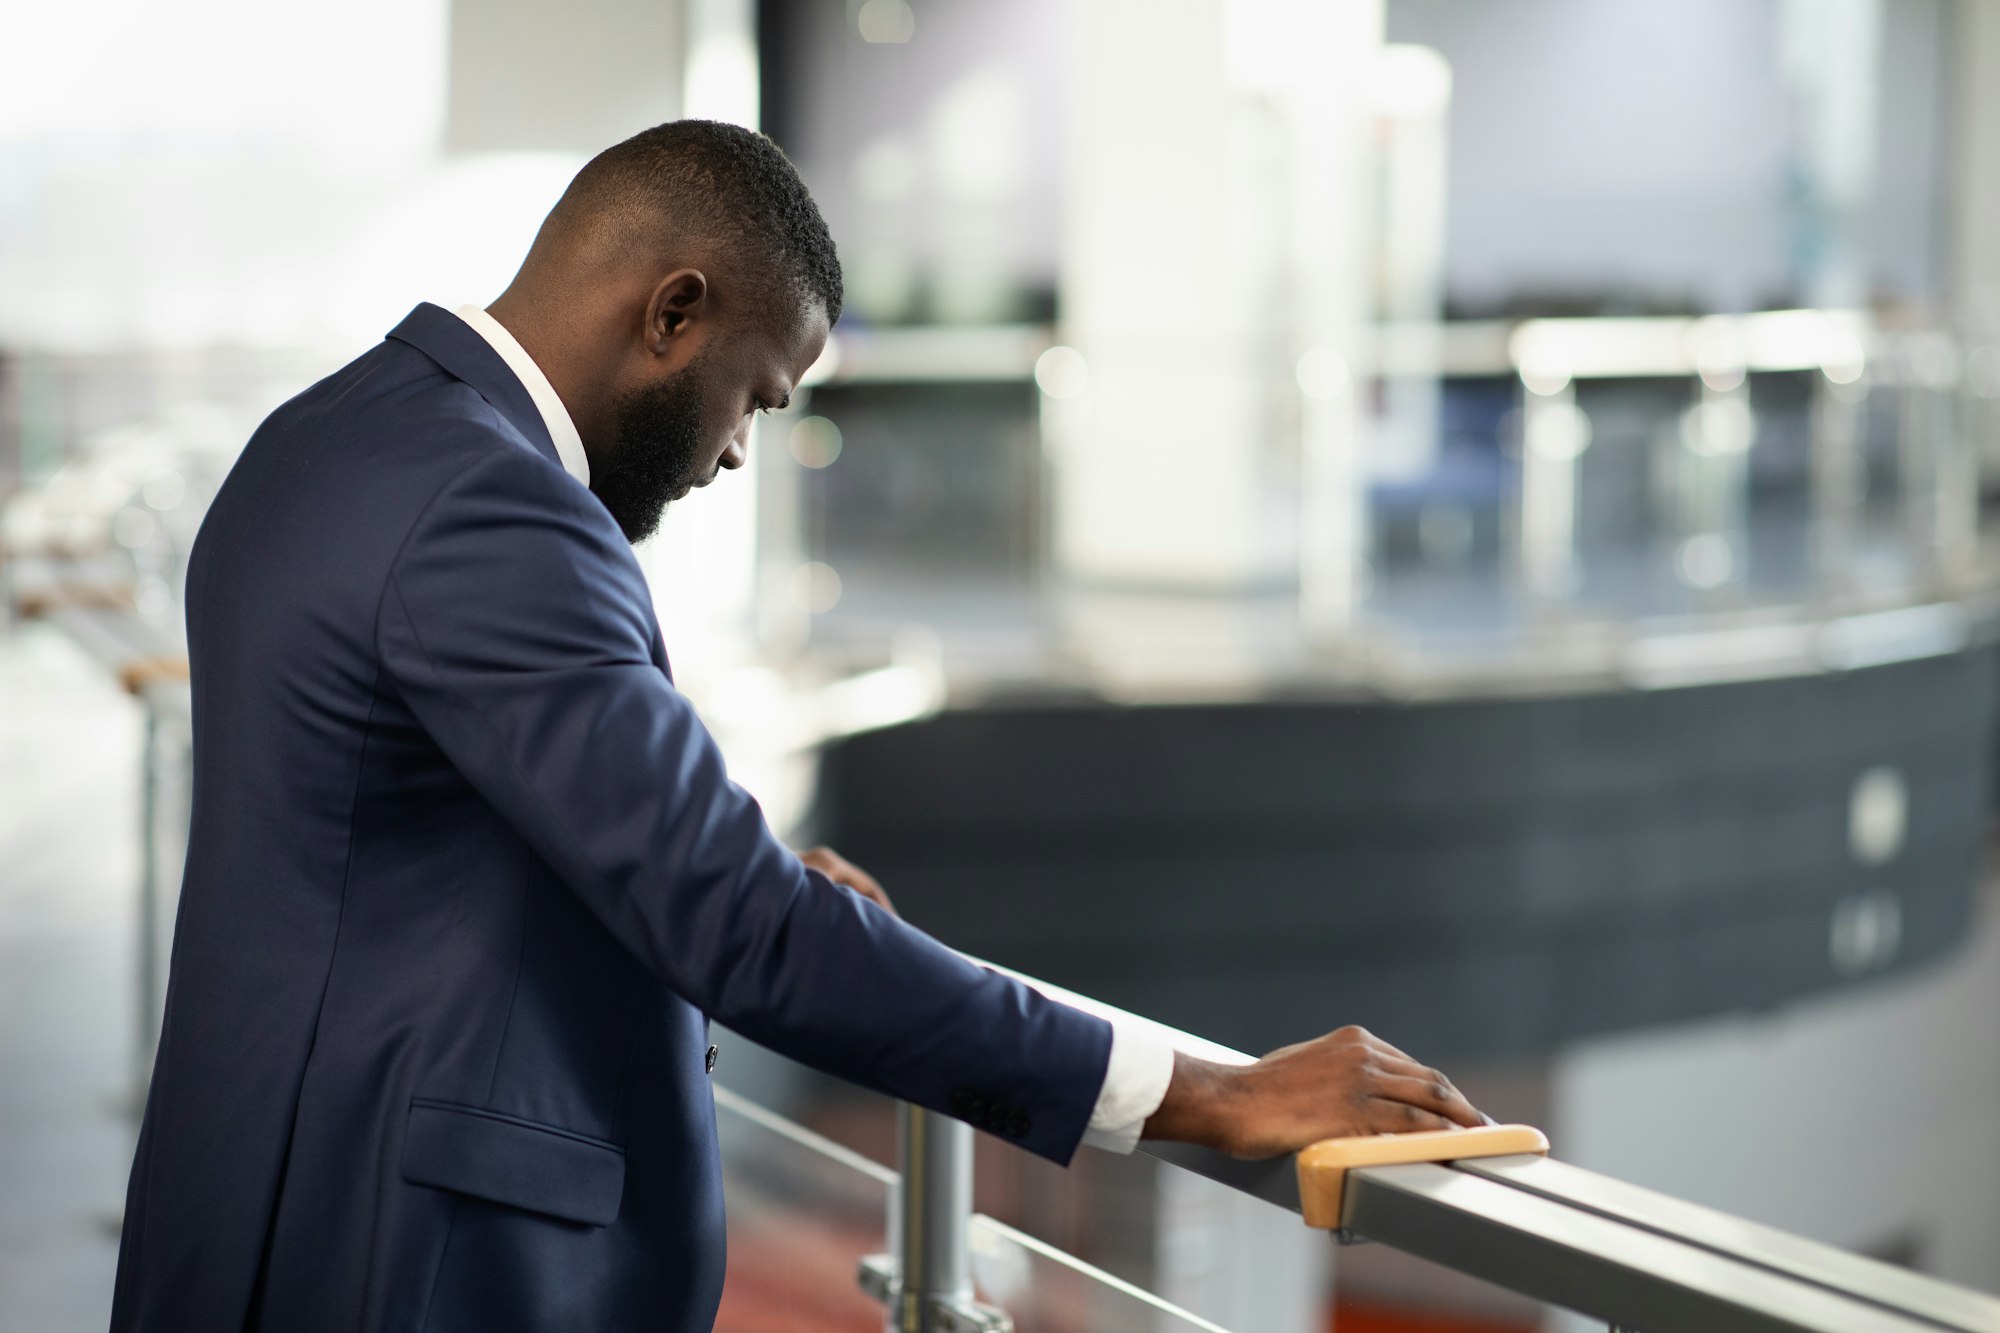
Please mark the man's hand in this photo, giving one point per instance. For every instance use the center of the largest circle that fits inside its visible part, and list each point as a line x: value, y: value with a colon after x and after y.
x: 1343, y: 1084
x: 841, y: 871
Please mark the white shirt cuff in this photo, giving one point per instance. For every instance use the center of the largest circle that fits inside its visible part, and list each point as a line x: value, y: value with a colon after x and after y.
x: 1135, y: 1083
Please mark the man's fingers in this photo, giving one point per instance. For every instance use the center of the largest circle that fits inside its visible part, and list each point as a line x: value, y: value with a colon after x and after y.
x: 863, y: 883
x: 1415, y: 1069
x: 842, y: 871
x: 1399, y: 1117
x: 874, y: 893
x: 1388, y: 1051
x: 1430, y: 1092
x: 859, y: 879
x: 835, y: 867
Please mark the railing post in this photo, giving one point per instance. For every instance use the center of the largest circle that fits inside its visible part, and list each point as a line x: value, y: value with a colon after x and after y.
x: 936, y: 1197
x: 927, y: 1282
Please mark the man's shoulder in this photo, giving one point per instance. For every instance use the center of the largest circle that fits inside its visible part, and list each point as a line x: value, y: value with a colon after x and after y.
x: 395, y: 401
x: 340, y: 477
x: 379, y: 440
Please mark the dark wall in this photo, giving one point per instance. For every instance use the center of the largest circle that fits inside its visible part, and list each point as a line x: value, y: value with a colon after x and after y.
x: 1476, y: 878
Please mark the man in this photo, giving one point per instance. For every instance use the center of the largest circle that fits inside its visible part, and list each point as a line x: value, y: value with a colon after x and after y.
x: 466, y: 878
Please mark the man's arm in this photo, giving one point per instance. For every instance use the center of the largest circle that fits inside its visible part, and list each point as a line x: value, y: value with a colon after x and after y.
x: 1346, y: 1083
x: 517, y: 629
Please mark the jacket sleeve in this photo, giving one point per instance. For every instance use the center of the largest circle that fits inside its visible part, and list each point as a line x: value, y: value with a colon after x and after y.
x: 517, y: 627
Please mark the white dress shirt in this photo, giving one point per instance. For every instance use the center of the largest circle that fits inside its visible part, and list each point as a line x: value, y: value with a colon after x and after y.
x: 1142, y: 1064
x: 569, y: 444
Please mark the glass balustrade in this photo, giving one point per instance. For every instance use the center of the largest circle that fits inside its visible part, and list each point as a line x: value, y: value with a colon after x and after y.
x: 805, y: 1212
x: 1048, y: 1291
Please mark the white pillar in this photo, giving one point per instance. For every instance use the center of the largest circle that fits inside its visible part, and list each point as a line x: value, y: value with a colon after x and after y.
x: 1211, y: 221
x: 1972, y: 202
x: 704, y: 563
x: 1412, y: 101
x: 1831, y: 52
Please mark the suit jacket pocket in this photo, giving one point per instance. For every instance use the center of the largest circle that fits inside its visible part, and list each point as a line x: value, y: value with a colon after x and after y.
x: 512, y: 1161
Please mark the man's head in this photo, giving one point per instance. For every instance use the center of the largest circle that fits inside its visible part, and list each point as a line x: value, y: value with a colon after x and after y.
x: 684, y: 282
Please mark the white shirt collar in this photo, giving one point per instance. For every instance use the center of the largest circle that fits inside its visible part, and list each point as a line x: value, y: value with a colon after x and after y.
x: 569, y: 444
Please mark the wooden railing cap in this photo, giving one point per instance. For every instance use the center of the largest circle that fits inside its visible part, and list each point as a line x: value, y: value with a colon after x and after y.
x: 1323, y: 1166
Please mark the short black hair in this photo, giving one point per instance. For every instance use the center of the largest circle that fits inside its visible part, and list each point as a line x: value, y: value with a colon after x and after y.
x: 723, y: 183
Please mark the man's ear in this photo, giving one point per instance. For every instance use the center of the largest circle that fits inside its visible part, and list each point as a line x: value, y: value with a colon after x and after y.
x: 679, y: 302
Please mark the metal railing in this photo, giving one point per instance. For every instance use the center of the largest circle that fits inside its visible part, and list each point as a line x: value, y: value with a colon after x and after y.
x: 927, y: 1281
x: 1536, y: 1226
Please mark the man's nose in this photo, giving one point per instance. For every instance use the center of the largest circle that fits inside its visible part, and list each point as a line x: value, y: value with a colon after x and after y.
x: 738, y: 450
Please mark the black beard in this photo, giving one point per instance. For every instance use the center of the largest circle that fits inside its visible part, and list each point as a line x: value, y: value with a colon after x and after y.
x: 655, y: 459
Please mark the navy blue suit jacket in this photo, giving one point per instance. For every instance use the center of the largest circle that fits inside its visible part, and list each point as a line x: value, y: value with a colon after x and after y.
x: 466, y: 879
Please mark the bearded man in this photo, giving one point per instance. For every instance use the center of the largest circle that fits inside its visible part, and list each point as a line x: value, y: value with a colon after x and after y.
x: 467, y: 879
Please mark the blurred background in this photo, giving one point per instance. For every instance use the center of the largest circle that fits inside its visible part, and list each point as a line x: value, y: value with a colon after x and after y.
x: 1469, y: 517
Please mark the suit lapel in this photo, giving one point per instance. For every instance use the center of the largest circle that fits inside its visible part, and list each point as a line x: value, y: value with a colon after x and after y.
x: 457, y: 346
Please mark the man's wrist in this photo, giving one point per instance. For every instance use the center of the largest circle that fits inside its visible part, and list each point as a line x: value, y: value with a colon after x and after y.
x: 1196, y: 1105
x: 1136, y: 1075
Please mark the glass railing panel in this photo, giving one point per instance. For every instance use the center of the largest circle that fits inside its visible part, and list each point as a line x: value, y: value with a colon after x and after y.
x: 1048, y: 1291
x: 803, y: 1212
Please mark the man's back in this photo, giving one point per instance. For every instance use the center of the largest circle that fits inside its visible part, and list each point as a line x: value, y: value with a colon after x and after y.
x: 352, y: 911
x: 462, y: 867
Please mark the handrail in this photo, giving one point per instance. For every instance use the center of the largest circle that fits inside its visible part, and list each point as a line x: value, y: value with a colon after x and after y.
x: 1947, y: 1305
x: 1588, y: 1242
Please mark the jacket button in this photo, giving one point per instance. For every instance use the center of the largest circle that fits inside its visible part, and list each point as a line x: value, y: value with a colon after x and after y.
x: 1017, y: 1125
x: 708, y: 1061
